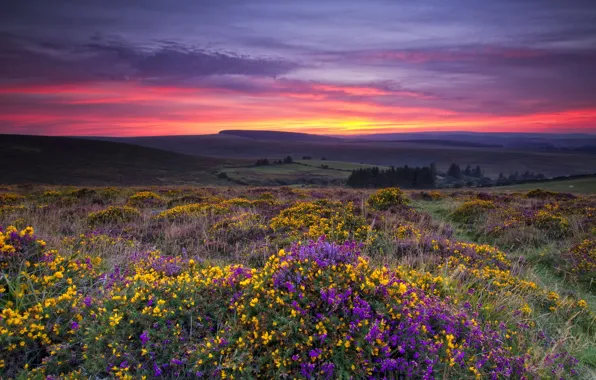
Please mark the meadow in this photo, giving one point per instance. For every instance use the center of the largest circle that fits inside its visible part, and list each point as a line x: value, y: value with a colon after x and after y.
x: 255, y: 282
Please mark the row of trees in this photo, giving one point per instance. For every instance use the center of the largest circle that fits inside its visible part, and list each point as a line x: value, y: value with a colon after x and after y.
x: 264, y: 161
x: 456, y: 171
x: 404, y: 177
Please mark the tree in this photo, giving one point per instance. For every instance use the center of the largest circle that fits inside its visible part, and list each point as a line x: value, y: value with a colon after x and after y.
x: 433, y: 170
x: 288, y: 160
x: 454, y: 171
x: 405, y: 177
x: 468, y: 171
x: 478, y: 172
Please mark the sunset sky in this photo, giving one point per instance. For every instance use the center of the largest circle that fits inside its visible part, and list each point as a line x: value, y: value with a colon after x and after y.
x: 149, y: 67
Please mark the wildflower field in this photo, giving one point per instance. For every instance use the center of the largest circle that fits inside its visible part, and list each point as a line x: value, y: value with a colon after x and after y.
x: 243, y: 283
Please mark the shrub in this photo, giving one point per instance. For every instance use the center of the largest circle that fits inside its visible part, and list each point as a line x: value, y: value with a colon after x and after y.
x: 114, y: 215
x: 10, y: 198
x: 317, y: 311
x: 186, y: 199
x: 470, y: 210
x: 310, y: 220
x: 40, y: 305
x: 581, y: 259
x: 552, y: 224
x: 146, y: 199
x: 384, y: 199
x: 193, y: 210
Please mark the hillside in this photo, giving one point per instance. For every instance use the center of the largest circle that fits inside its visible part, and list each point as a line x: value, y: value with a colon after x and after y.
x: 386, y: 153
x: 64, y: 160
x: 278, y: 136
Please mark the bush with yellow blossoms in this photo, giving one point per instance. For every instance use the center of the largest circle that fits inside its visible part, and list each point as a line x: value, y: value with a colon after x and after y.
x: 113, y: 215
x: 146, y: 199
x: 384, y: 199
x: 310, y: 220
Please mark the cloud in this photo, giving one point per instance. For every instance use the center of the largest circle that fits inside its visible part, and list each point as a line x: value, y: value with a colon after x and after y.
x: 27, y: 59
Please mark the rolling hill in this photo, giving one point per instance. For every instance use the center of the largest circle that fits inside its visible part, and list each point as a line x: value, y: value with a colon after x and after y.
x: 493, y: 160
x: 70, y: 161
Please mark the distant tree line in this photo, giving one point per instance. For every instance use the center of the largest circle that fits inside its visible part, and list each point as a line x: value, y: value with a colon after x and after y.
x: 404, y: 177
x: 264, y: 161
x: 456, y: 171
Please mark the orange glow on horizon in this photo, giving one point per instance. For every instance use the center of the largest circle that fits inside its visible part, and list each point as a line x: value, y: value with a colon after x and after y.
x: 132, y: 109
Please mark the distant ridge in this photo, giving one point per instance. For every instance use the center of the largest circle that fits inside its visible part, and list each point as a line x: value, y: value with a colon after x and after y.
x: 74, y: 161
x: 278, y: 136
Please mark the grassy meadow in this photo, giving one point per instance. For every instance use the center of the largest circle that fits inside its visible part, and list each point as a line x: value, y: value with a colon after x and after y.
x: 578, y: 185
x: 256, y: 282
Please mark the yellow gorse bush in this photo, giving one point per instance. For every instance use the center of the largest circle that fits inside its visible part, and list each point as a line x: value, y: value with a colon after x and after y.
x: 384, y: 199
x: 113, y: 215
x: 310, y: 220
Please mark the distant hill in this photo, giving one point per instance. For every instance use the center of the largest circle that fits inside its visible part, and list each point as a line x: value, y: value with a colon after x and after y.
x: 278, y: 136
x: 466, y: 144
x: 397, y: 153
x: 72, y: 161
x: 524, y: 141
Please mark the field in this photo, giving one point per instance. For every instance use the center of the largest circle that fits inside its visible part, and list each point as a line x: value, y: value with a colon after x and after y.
x: 337, y: 165
x: 254, y: 282
x: 285, y: 174
x: 580, y: 185
x: 300, y: 172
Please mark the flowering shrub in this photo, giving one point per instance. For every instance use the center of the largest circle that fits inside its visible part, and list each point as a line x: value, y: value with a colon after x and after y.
x: 554, y: 225
x: 407, y: 232
x: 430, y: 195
x: 310, y: 220
x: 469, y: 210
x: 144, y: 199
x: 15, y: 246
x: 192, y: 211
x: 113, y: 215
x: 163, y: 302
x: 186, y: 199
x: 244, y: 226
x: 8, y: 209
x: 10, y: 198
x: 581, y: 259
x: 545, y: 194
x: 318, y: 311
x: 384, y: 199
x: 38, y: 299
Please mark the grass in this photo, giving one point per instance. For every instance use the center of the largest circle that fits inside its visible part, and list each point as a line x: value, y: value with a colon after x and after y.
x: 229, y: 282
x: 337, y: 165
x: 286, y: 174
x: 579, y: 186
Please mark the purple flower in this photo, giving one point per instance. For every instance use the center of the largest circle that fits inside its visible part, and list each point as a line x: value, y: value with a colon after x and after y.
x: 314, y: 353
x: 144, y: 338
x: 156, y: 370
x: 87, y: 301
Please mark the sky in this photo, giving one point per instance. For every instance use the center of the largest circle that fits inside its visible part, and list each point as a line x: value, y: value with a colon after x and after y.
x: 153, y: 67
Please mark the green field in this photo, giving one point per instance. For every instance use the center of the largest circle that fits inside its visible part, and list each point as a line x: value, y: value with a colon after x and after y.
x: 337, y: 165
x: 285, y: 174
x: 580, y: 186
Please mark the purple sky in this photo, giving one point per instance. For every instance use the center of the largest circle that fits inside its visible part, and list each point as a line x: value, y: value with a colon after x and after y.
x: 172, y: 67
